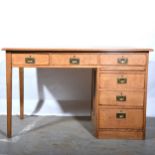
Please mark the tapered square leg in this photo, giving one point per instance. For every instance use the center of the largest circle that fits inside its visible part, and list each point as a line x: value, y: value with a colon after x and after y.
x: 21, y: 84
x: 9, y: 93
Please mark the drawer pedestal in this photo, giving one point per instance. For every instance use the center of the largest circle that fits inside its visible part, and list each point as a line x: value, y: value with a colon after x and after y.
x: 121, y: 96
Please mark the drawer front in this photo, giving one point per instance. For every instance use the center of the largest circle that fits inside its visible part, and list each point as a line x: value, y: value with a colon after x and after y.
x: 74, y: 59
x: 123, y: 98
x: 30, y: 59
x: 121, y: 118
x: 115, y: 134
x: 123, y: 59
x: 118, y: 81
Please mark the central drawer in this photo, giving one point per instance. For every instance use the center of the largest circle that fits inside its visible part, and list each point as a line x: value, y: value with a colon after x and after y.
x: 121, y: 81
x: 121, y: 118
x: 74, y: 59
x: 123, y: 98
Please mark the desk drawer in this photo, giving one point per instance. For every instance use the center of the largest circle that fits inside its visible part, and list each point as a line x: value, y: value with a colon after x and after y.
x: 121, y: 118
x: 123, y: 98
x: 30, y: 59
x: 121, y: 81
x: 74, y: 59
x: 123, y: 59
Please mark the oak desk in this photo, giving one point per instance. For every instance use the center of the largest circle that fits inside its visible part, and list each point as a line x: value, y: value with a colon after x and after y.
x: 119, y: 85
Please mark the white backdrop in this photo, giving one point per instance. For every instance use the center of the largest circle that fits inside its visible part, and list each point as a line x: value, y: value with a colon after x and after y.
x: 71, y: 23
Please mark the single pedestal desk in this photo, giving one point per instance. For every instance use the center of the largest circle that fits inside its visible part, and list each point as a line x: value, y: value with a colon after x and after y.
x: 119, y: 85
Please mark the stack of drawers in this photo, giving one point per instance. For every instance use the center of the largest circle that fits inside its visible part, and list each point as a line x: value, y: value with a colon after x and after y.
x: 121, y: 95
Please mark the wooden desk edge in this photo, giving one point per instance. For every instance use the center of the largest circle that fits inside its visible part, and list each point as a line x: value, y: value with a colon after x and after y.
x: 81, y: 50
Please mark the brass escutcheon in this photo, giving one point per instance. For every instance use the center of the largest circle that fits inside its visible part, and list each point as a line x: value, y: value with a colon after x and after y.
x: 121, y: 98
x: 122, y: 80
x: 74, y: 61
x: 122, y: 60
x: 120, y: 115
x: 30, y: 60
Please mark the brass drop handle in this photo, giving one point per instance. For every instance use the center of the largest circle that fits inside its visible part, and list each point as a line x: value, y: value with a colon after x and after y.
x: 122, y: 80
x: 122, y: 60
x: 29, y: 60
x: 120, y: 115
x: 120, y: 98
x: 74, y: 61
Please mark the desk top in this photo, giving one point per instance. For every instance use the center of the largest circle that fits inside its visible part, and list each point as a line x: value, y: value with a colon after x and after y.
x: 79, y: 50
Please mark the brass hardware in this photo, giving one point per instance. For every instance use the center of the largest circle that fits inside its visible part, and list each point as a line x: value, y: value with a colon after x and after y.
x: 120, y: 115
x: 122, y: 80
x: 74, y: 61
x: 121, y: 98
x: 122, y: 60
x: 30, y: 60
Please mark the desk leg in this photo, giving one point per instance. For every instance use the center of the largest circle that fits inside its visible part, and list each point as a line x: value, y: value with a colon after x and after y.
x: 9, y: 93
x: 21, y: 83
x: 93, y: 92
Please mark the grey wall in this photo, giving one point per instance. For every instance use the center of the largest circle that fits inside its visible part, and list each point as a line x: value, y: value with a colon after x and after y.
x: 71, y: 24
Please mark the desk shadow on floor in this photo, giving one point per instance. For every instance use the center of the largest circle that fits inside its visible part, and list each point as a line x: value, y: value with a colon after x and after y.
x: 62, y: 84
x: 67, y: 123
x: 3, y: 133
